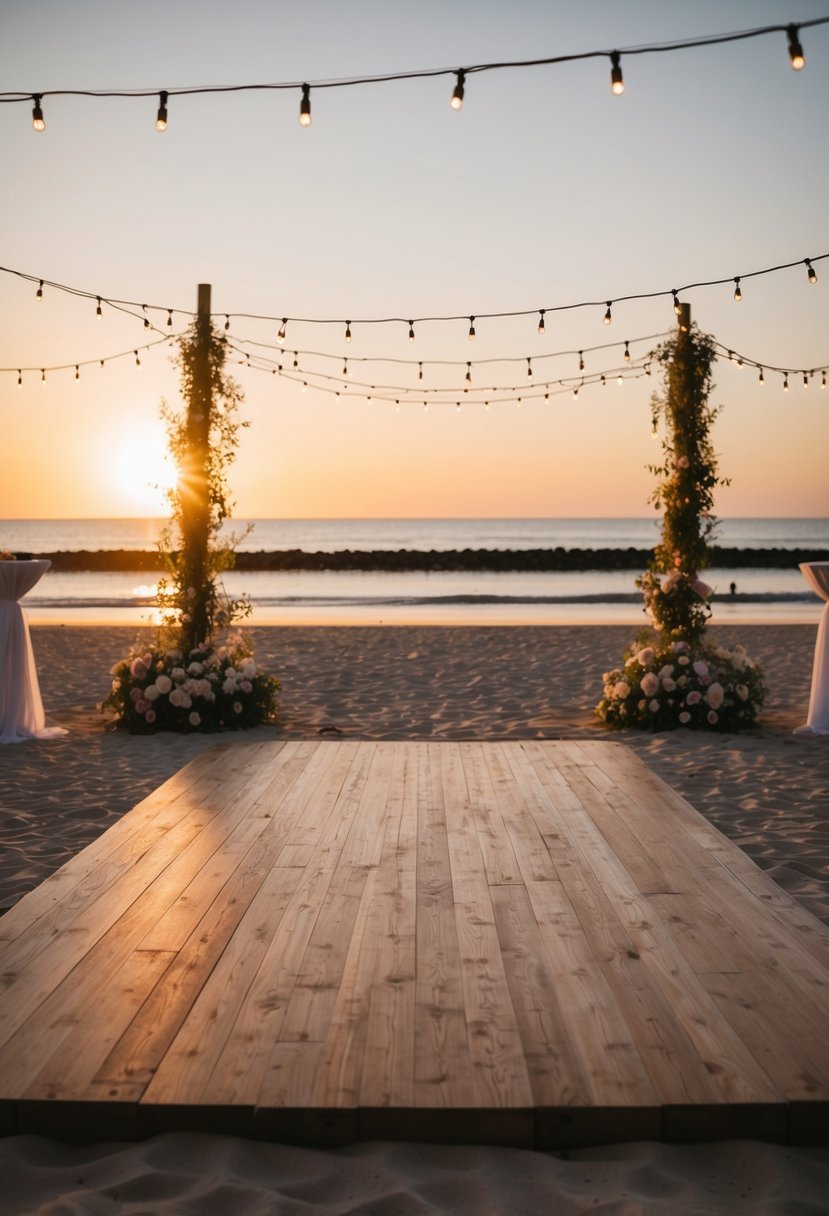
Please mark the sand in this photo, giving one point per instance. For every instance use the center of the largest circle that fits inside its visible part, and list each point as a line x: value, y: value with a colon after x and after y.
x: 767, y: 790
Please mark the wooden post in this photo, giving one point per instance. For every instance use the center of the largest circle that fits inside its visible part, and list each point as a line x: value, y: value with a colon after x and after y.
x: 196, y: 502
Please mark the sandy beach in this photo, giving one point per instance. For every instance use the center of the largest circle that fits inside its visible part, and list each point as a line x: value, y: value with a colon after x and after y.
x: 768, y: 790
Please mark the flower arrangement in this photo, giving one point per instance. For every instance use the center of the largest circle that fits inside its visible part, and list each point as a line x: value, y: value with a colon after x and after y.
x: 210, y: 689
x: 663, y: 686
x: 6, y: 555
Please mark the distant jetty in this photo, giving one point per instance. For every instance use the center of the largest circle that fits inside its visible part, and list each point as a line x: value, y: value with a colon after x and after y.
x: 507, y: 560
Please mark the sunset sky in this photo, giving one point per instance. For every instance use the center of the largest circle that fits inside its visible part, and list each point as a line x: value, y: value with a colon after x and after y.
x: 543, y: 191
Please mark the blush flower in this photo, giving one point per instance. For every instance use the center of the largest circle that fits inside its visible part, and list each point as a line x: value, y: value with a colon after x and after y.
x: 649, y: 684
x: 715, y: 695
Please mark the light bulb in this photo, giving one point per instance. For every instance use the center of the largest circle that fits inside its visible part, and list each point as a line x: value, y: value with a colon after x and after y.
x: 161, y: 116
x: 77, y: 372
x: 529, y: 367
x: 169, y: 318
x: 617, y: 85
x: 411, y: 331
x: 42, y: 375
x: 738, y: 295
x: 823, y: 380
x: 280, y: 337
x: 146, y: 319
x: 810, y: 271
x: 471, y: 334
x: 137, y: 360
x: 38, y: 121
x: 576, y: 391
x: 626, y: 355
x: 805, y: 380
x: 608, y: 316
x: 227, y: 322
x: 603, y: 382
x: 305, y: 107
x: 20, y: 379
x: 468, y: 373
x: 345, y: 367
x: 785, y: 383
x: 761, y: 379
x: 541, y: 320
x: 677, y: 305
x: 39, y: 292
x: 798, y: 59
x: 619, y: 380
x: 457, y: 96
x: 296, y: 359
x: 305, y: 386
x: 98, y: 312
x: 581, y: 361
x: 348, y: 331
x: 420, y: 371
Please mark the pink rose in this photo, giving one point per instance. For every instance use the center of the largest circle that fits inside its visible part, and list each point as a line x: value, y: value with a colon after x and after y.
x: 195, y: 718
x: 715, y: 696
x: 693, y: 697
x: 150, y: 716
x: 712, y: 717
x: 684, y: 717
x: 649, y: 684
x: 138, y: 669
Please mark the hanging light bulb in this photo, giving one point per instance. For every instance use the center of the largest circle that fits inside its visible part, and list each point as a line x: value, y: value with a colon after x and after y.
x: 810, y: 270
x: 468, y: 373
x: 280, y: 337
x: 546, y: 396
x: 146, y: 319
x: 345, y: 367
x: 761, y: 379
x: 43, y: 375
x: 20, y: 378
x: 738, y: 295
x: 227, y: 322
x: 305, y: 386
x: 654, y: 430
x: 608, y: 316
x: 626, y: 355
x: 420, y: 371
x: 603, y: 382
x: 457, y: 96
x: 581, y: 361
x: 348, y: 331
x: 576, y: 391
x: 411, y: 331
x: 457, y: 407
x: 38, y: 121
x: 161, y: 116
x: 529, y: 367
x: 169, y: 318
x: 617, y: 85
x: 471, y: 334
x: 796, y: 55
x: 739, y: 362
x: 541, y: 312
x: 805, y: 380
x: 305, y: 107
x: 137, y: 360
x: 296, y: 359
x: 823, y: 380
x: 77, y: 372
x: 620, y: 380
x: 98, y: 312
x: 677, y: 305
x: 39, y: 292
x: 786, y: 383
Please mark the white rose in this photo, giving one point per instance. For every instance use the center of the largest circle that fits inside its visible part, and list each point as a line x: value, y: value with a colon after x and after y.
x: 152, y: 692
x: 621, y: 689
x: 163, y: 683
x: 714, y: 695
x: 684, y: 717
x: 649, y: 684
x: 654, y: 707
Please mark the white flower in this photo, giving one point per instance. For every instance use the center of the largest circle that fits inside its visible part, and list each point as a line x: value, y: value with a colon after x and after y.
x: 163, y: 683
x: 621, y: 689
x: 645, y: 656
x: 195, y: 718
x: 742, y: 692
x: 712, y: 717
x: 249, y: 669
x: 667, y: 670
x: 694, y: 697
x: 653, y: 706
x: 668, y: 684
x: 195, y: 669
x: 229, y: 686
x: 684, y: 717
x: 649, y: 684
x: 178, y: 674
x: 152, y: 693
x: 715, y: 695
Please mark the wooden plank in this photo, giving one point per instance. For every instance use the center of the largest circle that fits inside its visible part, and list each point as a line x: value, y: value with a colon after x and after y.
x: 443, y: 1071
x: 489, y: 800
x: 494, y: 1044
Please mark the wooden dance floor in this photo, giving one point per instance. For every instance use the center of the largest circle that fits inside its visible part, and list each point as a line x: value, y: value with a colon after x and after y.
x: 523, y: 943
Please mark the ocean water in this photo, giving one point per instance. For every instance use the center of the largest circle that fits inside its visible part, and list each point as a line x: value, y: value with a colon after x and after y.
x: 392, y: 597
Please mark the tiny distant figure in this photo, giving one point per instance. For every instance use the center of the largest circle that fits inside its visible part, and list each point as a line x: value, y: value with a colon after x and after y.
x: 733, y: 588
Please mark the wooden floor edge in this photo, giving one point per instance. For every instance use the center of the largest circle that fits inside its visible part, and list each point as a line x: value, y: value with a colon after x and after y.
x: 544, y: 1128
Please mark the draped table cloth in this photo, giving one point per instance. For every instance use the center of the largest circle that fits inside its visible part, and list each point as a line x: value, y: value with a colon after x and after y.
x: 21, y: 708
x: 817, y: 723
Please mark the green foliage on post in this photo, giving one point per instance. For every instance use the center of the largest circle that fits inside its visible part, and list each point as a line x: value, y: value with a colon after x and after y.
x: 672, y: 676
x: 203, y: 442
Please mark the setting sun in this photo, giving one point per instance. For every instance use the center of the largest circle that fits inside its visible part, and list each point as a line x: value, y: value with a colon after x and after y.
x: 144, y: 472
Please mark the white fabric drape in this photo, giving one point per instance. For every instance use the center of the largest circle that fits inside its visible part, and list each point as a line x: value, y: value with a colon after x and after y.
x: 21, y: 708
x: 817, y: 723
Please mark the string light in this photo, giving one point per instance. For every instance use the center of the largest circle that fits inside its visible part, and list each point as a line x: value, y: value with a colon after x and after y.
x: 305, y: 107
x: 411, y: 331
x: 98, y: 311
x: 169, y: 318
x: 161, y: 116
x: 617, y: 85
x: 147, y: 319
x: 39, y: 292
x: 810, y: 271
x: 677, y: 305
x: 603, y: 382
x: 19, y: 378
x: 785, y: 384
x: 738, y: 295
x: 420, y: 371
x: 541, y: 312
x: 468, y: 373
x: 137, y: 360
x: 227, y: 323
x: 42, y: 375
x: 805, y: 380
x: 798, y: 59
x: 823, y: 380
x: 608, y: 316
x: 581, y: 361
x: 77, y: 372
x: 457, y: 96
x: 471, y: 334
x: 38, y: 121
x: 761, y: 378
x: 345, y: 367
x: 529, y: 367
x: 626, y: 355
x: 348, y: 331
x: 280, y: 337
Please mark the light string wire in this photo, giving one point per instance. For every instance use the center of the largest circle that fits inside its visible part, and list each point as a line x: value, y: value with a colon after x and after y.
x: 791, y: 29
x: 606, y: 302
